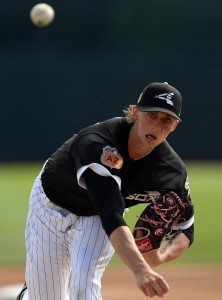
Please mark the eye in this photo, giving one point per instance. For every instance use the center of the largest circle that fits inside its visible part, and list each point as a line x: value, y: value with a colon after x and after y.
x: 167, y: 120
x: 152, y: 114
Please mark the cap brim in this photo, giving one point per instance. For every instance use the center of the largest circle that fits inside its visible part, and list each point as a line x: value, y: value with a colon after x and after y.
x: 151, y: 108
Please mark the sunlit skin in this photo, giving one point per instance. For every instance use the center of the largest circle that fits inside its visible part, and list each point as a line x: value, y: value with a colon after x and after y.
x: 149, y: 130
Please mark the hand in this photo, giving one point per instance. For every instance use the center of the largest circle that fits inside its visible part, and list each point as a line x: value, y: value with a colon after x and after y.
x: 152, y: 284
x: 147, y: 280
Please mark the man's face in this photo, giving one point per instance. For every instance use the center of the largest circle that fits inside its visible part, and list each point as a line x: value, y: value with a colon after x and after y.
x: 152, y: 128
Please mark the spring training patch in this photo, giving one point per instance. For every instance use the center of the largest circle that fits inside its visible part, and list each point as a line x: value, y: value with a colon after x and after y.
x: 111, y: 158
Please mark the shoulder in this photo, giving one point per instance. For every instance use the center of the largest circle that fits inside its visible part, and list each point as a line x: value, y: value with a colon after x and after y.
x: 103, y: 136
x: 108, y: 130
x: 104, y: 126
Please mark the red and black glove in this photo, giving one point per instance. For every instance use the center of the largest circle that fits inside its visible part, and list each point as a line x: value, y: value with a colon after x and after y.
x: 156, y: 221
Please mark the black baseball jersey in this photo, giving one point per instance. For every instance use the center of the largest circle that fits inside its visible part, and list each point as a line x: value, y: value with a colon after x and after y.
x: 103, y: 148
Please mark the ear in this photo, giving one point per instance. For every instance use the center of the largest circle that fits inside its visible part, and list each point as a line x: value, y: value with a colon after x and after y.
x: 135, y: 112
x: 175, y: 125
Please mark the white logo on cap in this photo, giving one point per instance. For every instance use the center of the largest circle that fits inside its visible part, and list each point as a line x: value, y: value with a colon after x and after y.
x: 166, y: 97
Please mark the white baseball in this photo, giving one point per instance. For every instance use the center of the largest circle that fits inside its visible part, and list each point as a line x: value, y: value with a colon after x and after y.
x: 42, y: 14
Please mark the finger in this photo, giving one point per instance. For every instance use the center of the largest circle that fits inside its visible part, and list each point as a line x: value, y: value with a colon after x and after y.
x: 158, y: 290
x: 150, y: 292
x: 139, y: 233
x: 156, y: 287
x: 164, y: 286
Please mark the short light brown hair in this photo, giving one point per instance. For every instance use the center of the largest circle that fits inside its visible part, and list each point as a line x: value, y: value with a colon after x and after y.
x: 128, y: 111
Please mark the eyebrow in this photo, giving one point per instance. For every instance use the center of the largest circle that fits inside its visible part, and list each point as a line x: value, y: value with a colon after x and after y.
x: 166, y: 114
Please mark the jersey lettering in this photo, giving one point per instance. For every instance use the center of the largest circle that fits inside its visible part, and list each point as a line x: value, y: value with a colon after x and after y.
x: 111, y: 158
x: 149, y: 195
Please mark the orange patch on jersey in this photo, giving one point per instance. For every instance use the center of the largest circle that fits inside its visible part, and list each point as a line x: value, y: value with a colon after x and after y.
x: 111, y: 158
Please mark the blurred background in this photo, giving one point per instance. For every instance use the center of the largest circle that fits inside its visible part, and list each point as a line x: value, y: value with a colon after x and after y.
x: 89, y: 64
x: 96, y: 58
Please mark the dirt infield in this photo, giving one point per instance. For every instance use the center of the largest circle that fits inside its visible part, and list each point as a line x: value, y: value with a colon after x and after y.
x: 186, y: 282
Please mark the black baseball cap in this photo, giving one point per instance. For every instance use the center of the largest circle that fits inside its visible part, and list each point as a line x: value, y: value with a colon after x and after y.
x: 161, y: 97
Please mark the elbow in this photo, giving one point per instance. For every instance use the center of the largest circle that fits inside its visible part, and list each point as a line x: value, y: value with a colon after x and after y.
x: 111, y: 220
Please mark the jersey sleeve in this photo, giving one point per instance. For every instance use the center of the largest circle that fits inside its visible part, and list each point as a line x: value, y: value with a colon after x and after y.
x: 108, y: 200
x: 100, y: 155
x: 186, y: 224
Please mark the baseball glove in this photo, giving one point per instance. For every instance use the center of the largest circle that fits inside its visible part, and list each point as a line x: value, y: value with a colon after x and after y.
x: 156, y: 221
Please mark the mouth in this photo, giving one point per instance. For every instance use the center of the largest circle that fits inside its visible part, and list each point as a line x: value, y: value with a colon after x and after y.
x: 150, y: 136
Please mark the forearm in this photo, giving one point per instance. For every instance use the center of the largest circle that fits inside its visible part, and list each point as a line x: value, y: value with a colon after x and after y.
x: 123, y: 242
x: 168, y: 251
x: 150, y: 282
x: 174, y: 247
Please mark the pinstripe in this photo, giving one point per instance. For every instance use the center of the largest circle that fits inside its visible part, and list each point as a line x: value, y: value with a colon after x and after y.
x: 94, y: 276
x: 100, y: 267
x: 96, y: 238
x: 90, y: 247
x: 98, y: 255
x: 54, y: 237
x: 58, y: 266
x: 50, y: 260
x: 84, y: 256
x: 37, y: 211
x: 44, y: 262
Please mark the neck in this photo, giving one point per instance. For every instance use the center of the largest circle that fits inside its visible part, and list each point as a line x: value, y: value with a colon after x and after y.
x: 135, y: 149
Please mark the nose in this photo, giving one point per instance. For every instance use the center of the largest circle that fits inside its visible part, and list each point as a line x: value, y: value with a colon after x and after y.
x: 156, y: 125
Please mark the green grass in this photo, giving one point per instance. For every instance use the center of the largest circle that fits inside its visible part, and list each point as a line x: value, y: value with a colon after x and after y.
x: 205, y: 178
x: 205, y: 181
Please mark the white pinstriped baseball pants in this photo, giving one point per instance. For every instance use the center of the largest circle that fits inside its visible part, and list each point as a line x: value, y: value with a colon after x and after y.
x: 59, y: 243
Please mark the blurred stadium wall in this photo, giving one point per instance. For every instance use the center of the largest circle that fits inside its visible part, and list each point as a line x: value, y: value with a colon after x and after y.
x: 96, y: 58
